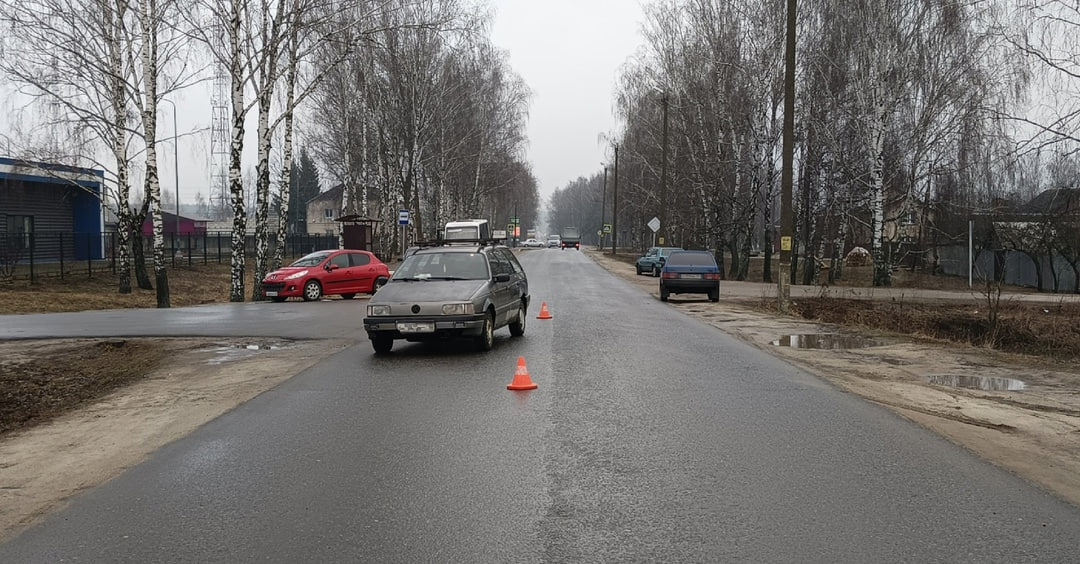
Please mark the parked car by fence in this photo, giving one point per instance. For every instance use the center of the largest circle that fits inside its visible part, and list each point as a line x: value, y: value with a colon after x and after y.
x: 343, y: 272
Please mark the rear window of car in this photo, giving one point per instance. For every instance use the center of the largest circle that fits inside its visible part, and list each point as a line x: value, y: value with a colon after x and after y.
x: 689, y: 258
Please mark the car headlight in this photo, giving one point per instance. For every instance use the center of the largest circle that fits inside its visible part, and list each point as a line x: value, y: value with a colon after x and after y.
x: 296, y: 275
x: 374, y: 310
x: 457, y: 309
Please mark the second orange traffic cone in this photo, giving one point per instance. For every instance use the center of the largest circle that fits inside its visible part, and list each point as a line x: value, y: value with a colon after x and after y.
x: 544, y: 314
x: 521, y: 377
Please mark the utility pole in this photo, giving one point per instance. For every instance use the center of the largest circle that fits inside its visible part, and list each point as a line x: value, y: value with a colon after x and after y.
x: 615, y: 205
x: 603, y: 202
x: 663, y: 174
x: 787, y: 224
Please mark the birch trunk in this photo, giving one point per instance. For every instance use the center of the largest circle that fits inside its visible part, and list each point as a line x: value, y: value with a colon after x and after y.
x: 149, y: 17
x: 287, y: 148
x: 113, y: 32
x: 262, y: 193
x: 882, y: 273
x: 236, y: 149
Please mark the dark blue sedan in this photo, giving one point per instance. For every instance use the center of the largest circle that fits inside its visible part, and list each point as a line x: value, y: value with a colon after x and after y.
x: 690, y: 272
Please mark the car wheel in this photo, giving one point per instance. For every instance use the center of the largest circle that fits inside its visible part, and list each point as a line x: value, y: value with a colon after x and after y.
x: 312, y: 291
x: 714, y: 295
x: 348, y: 296
x: 277, y: 299
x: 656, y: 272
x: 517, y: 328
x: 638, y: 269
x: 486, y: 340
x: 382, y: 343
x: 379, y: 283
x: 663, y: 294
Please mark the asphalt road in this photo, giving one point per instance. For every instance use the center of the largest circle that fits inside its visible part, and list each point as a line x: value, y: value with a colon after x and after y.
x: 652, y: 438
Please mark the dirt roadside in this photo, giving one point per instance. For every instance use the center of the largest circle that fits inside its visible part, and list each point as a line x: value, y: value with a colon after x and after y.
x: 1034, y: 433
x: 44, y: 465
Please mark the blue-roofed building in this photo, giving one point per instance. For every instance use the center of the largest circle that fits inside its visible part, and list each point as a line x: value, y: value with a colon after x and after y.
x: 51, y: 209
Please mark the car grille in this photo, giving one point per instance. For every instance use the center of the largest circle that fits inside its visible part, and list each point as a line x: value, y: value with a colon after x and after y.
x: 273, y: 287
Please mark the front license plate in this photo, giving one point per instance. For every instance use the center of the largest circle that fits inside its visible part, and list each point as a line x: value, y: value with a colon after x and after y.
x: 271, y: 294
x: 416, y: 327
x: 692, y: 276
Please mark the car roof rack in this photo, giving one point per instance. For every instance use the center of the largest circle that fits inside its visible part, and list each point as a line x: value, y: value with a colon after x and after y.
x: 459, y: 242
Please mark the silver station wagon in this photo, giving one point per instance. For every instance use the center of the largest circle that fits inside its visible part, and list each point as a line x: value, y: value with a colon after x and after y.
x: 450, y: 291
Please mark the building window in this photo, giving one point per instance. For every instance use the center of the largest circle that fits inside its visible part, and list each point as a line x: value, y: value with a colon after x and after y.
x: 19, y: 230
x: 328, y: 213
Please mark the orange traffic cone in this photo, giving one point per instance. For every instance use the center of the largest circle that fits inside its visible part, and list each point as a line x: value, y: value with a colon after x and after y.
x: 544, y: 314
x: 521, y: 377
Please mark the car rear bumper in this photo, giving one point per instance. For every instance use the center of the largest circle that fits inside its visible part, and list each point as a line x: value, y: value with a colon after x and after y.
x: 675, y: 286
x: 445, y: 327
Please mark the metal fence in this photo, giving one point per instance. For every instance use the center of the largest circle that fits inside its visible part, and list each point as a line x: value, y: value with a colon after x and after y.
x: 61, y: 255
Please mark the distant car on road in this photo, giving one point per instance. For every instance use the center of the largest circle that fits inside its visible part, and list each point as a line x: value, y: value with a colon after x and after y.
x: 532, y: 243
x: 449, y: 291
x: 653, y: 260
x: 553, y: 242
x: 344, y: 272
x: 690, y: 272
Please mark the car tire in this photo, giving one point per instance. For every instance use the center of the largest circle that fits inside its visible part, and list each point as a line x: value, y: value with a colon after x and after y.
x: 656, y: 272
x: 714, y: 295
x: 348, y: 296
x: 486, y: 341
x: 638, y: 269
x: 517, y: 328
x: 663, y: 294
x: 382, y: 344
x: 277, y: 299
x: 379, y: 283
x: 312, y: 291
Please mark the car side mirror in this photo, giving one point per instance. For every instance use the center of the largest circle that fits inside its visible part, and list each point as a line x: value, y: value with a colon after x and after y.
x: 501, y: 277
x: 332, y: 267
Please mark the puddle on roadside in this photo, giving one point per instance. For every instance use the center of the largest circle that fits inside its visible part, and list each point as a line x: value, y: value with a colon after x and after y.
x: 827, y: 341
x: 229, y: 353
x: 986, y: 383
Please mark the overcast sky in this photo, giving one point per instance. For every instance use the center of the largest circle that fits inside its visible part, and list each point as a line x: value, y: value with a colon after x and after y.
x: 569, y: 52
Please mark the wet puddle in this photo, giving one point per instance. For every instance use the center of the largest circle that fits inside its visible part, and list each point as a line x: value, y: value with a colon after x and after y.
x: 987, y: 383
x: 827, y: 341
x: 229, y: 353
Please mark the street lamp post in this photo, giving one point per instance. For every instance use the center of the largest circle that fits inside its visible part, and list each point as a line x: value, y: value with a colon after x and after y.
x: 603, y: 202
x: 615, y: 205
x: 787, y: 221
x: 176, y: 170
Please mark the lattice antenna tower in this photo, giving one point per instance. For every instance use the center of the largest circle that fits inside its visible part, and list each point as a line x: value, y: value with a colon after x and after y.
x: 220, y: 138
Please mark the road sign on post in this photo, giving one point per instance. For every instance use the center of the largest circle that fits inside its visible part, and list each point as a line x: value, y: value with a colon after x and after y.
x: 654, y: 224
x: 403, y: 217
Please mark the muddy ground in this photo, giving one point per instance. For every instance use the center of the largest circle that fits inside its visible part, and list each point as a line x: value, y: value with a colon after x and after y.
x: 94, y: 416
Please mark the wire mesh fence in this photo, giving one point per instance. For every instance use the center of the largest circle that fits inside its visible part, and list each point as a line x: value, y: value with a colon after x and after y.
x: 63, y: 255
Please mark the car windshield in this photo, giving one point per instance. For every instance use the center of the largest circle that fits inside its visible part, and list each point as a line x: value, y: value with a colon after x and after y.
x: 691, y: 259
x: 312, y: 260
x: 443, y: 266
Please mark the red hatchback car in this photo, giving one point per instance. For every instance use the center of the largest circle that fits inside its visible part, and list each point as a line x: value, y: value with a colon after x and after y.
x: 344, y: 272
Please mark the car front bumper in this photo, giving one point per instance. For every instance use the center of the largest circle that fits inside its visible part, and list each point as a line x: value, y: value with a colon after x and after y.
x: 442, y: 327
x: 288, y: 289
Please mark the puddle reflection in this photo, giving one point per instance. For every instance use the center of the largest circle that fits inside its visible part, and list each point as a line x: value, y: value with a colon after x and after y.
x: 827, y: 341
x: 987, y: 383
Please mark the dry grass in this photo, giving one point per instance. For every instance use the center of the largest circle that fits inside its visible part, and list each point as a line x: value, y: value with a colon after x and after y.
x: 187, y: 286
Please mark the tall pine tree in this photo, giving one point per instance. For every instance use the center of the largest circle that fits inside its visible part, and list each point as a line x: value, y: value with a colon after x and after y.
x: 303, y: 186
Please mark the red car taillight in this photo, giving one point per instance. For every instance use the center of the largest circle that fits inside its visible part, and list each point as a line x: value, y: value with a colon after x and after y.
x: 670, y: 275
x: 712, y: 275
